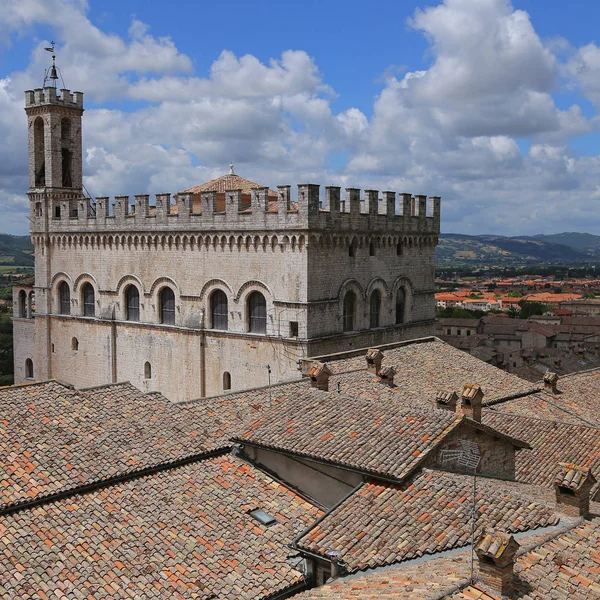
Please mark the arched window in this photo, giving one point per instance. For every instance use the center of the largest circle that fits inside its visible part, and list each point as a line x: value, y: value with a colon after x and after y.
x: 400, y: 305
x: 22, y: 304
x: 132, y: 304
x: 226, y: 381
x: 371, y: 249
x: 29, y: 369
x: 65, y: 134
x: 167, y: 306
x: 349, y: 311
x: 147, y: 370
x: 218, y: 309
x: 75, y: 344
x: 30, y: 305
x: 64, y: 296
x: 257, y: 313
x: 39, y: 153
x: 89, y: 297
x: 375, y: 308
x: 352, y: 249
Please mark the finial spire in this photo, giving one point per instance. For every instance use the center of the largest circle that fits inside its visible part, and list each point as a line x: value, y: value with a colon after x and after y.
x: 52, y: 73
x: 231, y: 169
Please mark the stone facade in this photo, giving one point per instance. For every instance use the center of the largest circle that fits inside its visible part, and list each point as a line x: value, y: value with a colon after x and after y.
x: 318, y: 264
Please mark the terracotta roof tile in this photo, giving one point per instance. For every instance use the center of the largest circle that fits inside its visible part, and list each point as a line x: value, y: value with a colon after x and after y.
x: 225, y: 183
x: 54, y: 438
x: 184, y: 533
x: 383, y: 524
x: 551, y: 442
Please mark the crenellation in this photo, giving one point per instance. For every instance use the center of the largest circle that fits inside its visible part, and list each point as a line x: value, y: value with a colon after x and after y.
x: 389, y: 200
x: 372, y: 202
x: 406, y: 204
x: 353, y: 200
x: 48, y: 95
x: 332, y: 199
x: 70, y: 212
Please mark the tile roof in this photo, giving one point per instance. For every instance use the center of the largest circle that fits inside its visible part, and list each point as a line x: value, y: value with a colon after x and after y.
x: 225, y: 183
x: 400, y: 582
x: 551, y: 442
x: 54, y: 438
x: 183, y: 533
x: 422, y: 369
x: 567, y: 566
x: 383, y: 524
x: 351, y: 433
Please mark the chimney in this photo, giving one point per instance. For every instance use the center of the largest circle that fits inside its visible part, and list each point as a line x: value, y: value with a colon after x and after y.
x: 572, y: 485
x: 334, y: 557
x: 446, y: 400
x: 374, y: 357
x: 550, y: 381
x: 386, y: 375
x: 319, y: 376
x: 496, y: 553
x: 470, y: 402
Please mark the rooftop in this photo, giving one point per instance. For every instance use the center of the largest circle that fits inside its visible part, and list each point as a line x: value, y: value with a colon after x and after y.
x: 183, y: 533
x: 384, y: 524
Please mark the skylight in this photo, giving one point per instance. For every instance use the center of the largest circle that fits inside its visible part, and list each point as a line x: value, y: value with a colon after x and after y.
x: 262, y: 517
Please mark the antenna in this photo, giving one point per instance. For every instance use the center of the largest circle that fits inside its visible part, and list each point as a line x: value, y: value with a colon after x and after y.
x: 466, y: 457
x: 52, y: 73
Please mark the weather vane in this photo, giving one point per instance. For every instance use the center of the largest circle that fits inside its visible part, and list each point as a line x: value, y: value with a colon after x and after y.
x: 51, y: 74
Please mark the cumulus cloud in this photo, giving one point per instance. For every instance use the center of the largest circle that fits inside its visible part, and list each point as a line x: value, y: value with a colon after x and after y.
x: 479, y: 126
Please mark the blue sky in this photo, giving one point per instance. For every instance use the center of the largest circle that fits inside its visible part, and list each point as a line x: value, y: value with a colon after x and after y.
x: 490, y: 104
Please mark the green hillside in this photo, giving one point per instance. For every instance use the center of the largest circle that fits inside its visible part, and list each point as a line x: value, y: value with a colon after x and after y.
x: 16, y: 250
x: 457, y: 249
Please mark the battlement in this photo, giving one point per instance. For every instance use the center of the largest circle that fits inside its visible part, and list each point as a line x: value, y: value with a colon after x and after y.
x: 374, y: 212
x: 48, y: 95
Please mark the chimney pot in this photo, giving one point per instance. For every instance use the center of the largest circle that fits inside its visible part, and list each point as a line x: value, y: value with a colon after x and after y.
x: 496, y: 552
x: 572, y: 486
x: 550, y: 382
x: 447, y: 400
x: 470, y: 402
x: 374, y: 357
x: 319, y: 376
x: 386, y: 375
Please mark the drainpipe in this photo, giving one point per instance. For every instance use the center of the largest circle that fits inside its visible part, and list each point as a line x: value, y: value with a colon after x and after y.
x: 202, y: 360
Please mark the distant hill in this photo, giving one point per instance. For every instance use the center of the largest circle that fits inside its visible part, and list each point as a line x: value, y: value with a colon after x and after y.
x: 564, y: 248
x: 16, y: 250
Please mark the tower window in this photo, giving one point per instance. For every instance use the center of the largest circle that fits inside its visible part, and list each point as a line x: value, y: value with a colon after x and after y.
x: 226, y: 381
x: 167, y: 306
x: 218, y: 310
x: 132, y: 304
x: 352, y: 250
x: 375, y: 308
x: 147, y: 370
x: 293, y: 329
x: 399, y: 249
x: 57, y: 211
x: 39, y: 152
x: 401, y: 306
x: 29, y: 369
x: 89, y: 309
x: 67, y: 155
x: 22, y: 304
x: 257, y: 313
x: 75, y: 344
x: 349, y: 311
x: 64, y: 296
x: 371, y: 249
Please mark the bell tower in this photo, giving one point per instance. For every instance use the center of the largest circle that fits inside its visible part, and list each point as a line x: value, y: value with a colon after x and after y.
x: 54, y: 140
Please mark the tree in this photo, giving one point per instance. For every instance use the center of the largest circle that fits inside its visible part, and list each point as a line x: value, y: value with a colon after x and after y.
x: 528, y: 309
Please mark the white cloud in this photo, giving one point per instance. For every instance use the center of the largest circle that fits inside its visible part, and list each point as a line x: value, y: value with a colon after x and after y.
x: 479, y: 126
